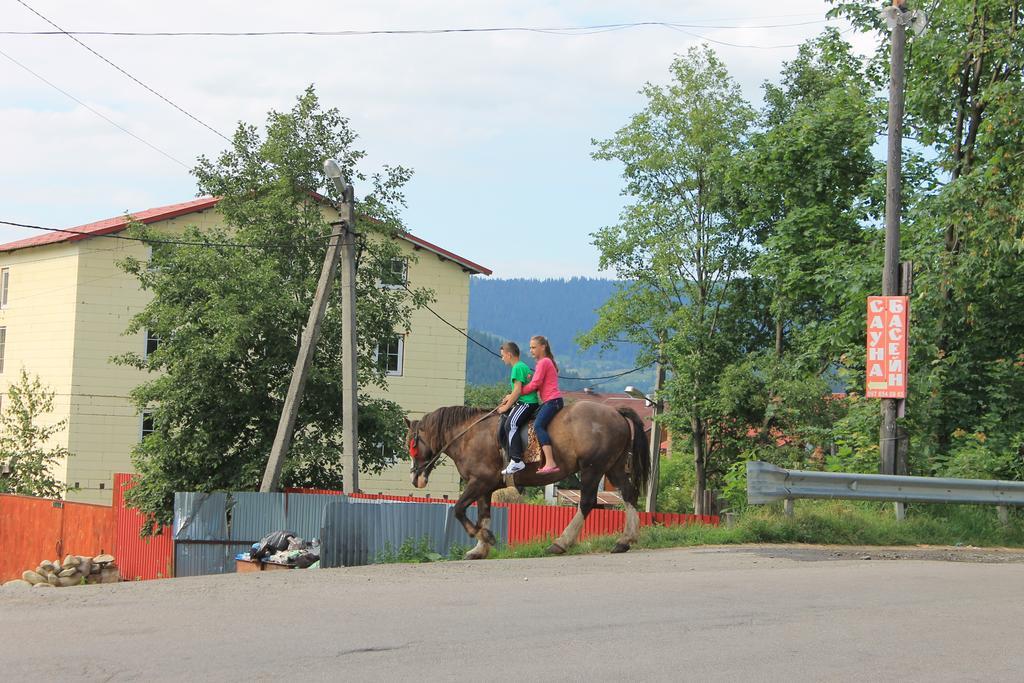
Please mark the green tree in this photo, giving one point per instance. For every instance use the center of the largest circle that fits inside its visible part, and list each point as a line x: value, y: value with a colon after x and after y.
x: 680, y: 245
x: 26, y: 444
x: 809, y: 194
x: 229, y: 317
x: 807, y: 179
x: 485, y: 395
x: 965, y: 102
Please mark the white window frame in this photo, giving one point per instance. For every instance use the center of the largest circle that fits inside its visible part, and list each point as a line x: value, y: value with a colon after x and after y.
x: 400, y: 338
x: 150, y: 337
x: 5, y: 285
x: 143, y: 432
x: 3, y: 347
x: 401, y: 272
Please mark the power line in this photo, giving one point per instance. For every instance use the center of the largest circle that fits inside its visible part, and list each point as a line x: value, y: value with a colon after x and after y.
x: 292, y: 244
x: 551, y: 30
x: 191, y: 243
x: 498, y: 355
x: 752, y: 47
x: 115, y: 124
x: 62, y: 31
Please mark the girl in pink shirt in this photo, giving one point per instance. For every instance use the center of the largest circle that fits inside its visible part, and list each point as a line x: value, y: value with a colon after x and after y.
x: 545, y: 381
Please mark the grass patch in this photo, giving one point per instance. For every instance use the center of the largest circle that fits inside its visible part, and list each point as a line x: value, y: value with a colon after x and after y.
x: 825, y: 523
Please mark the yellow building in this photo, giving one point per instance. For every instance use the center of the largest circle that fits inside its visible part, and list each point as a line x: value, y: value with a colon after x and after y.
x: 64, y: 307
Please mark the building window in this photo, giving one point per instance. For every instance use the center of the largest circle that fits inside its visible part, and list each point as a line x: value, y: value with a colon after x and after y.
x: 390, y: 353
x: 152, y: 343
x: 3, y: 345
x: 147, y: 424
x: 396, y: 276
x: 5, y: 281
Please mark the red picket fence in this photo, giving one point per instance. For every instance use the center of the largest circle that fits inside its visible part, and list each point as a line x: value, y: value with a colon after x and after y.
x: 140, y: 558
x: 37, y: 529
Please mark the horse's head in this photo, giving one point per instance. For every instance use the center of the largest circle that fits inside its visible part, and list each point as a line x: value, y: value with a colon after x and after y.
x: 420, y: 453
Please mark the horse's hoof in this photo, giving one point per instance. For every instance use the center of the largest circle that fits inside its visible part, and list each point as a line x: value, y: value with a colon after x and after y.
x: 555, y: 549
x: 620, y: 548
x: 487, y: 537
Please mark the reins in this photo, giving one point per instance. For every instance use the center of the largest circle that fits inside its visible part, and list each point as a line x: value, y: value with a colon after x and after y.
x: 441, y: 453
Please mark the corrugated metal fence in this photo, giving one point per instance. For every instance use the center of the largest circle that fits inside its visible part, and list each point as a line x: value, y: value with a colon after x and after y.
x: 211, y: 528
x: 37, y: 529
x: 139, y: 557
x: 358, y: 532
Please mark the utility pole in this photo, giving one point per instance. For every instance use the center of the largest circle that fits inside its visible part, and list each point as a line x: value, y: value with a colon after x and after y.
x: 340, y: 248
x: 349, y: 385
x: 658, y: 404
x: 307, y: 345
x: 898, y: 19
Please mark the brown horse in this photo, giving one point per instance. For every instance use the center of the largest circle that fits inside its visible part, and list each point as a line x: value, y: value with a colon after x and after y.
x: 590, y: 438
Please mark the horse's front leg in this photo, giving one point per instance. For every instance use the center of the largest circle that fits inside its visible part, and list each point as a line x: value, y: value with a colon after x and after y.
x: 484, y: 537
x: 473, y: 491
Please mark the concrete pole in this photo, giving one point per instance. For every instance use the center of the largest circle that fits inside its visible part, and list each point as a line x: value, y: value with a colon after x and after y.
x: 893, y: 181
x: 349, y: 382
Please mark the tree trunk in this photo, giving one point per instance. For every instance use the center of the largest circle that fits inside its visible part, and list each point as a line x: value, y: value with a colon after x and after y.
x: 701, y: 476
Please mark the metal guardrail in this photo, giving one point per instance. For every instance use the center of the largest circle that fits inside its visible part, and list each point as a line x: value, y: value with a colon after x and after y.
x: 767, y: 483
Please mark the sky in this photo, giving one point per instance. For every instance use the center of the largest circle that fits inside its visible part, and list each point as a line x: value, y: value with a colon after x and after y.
x: 497, y: 126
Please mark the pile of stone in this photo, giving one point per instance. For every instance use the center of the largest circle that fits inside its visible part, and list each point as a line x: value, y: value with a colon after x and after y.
x: 75, y: 570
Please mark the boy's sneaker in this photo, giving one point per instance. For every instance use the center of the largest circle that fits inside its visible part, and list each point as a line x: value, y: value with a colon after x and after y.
x: 514, y: 466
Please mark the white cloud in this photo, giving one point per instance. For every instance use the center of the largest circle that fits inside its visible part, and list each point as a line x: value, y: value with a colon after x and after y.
x: 496, y: 125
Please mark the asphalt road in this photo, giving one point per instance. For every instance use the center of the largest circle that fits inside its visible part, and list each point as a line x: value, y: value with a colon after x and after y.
x: 712, y: 613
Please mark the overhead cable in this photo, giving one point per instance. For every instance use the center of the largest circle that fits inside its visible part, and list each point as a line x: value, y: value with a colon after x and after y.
x: 551, y: 30
x: 498, y: 355
x: 190, y: 243
x: 106, y: 118
x: 136, y: 80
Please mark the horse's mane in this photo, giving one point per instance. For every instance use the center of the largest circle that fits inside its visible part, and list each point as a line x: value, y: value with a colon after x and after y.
x: 440, y: 423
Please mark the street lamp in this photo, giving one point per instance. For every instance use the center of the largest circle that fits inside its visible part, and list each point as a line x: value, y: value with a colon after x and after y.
x: 655, y: 444
x: 636, y: 393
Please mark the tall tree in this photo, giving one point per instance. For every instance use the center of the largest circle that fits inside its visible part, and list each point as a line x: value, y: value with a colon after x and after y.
x: 809, y: 167
x: 26, y: 442
x: 965, y: 98
x: 808, y: 194
x: 229, y: 311
x: 679, y: 244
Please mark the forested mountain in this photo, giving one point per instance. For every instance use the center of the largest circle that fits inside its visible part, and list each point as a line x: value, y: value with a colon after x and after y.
x: 518, y: 308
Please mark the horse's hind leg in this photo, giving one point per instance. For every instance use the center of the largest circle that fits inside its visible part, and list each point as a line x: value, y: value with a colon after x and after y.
x: 617, y: 475
x: 485, y: 539
x: 590, y: 477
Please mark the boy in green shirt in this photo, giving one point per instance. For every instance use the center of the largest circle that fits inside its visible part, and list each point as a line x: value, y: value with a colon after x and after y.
x: 516, y: 408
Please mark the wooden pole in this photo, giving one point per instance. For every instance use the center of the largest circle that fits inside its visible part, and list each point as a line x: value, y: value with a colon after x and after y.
x: 890, y: 273
x: 655, y: 445
x: 307, y: 345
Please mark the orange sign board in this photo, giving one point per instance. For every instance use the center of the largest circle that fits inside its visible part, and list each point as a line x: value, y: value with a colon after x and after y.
x: 888, y: 319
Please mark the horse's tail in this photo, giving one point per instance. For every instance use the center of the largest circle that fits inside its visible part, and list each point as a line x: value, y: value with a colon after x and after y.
x: 639, y: 451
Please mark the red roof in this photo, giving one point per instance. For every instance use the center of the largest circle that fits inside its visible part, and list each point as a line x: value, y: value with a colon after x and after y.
x: 112, y: 225
x: 163, y: 213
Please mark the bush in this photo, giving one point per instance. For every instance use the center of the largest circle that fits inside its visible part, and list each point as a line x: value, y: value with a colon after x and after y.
x: 410, y: 552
